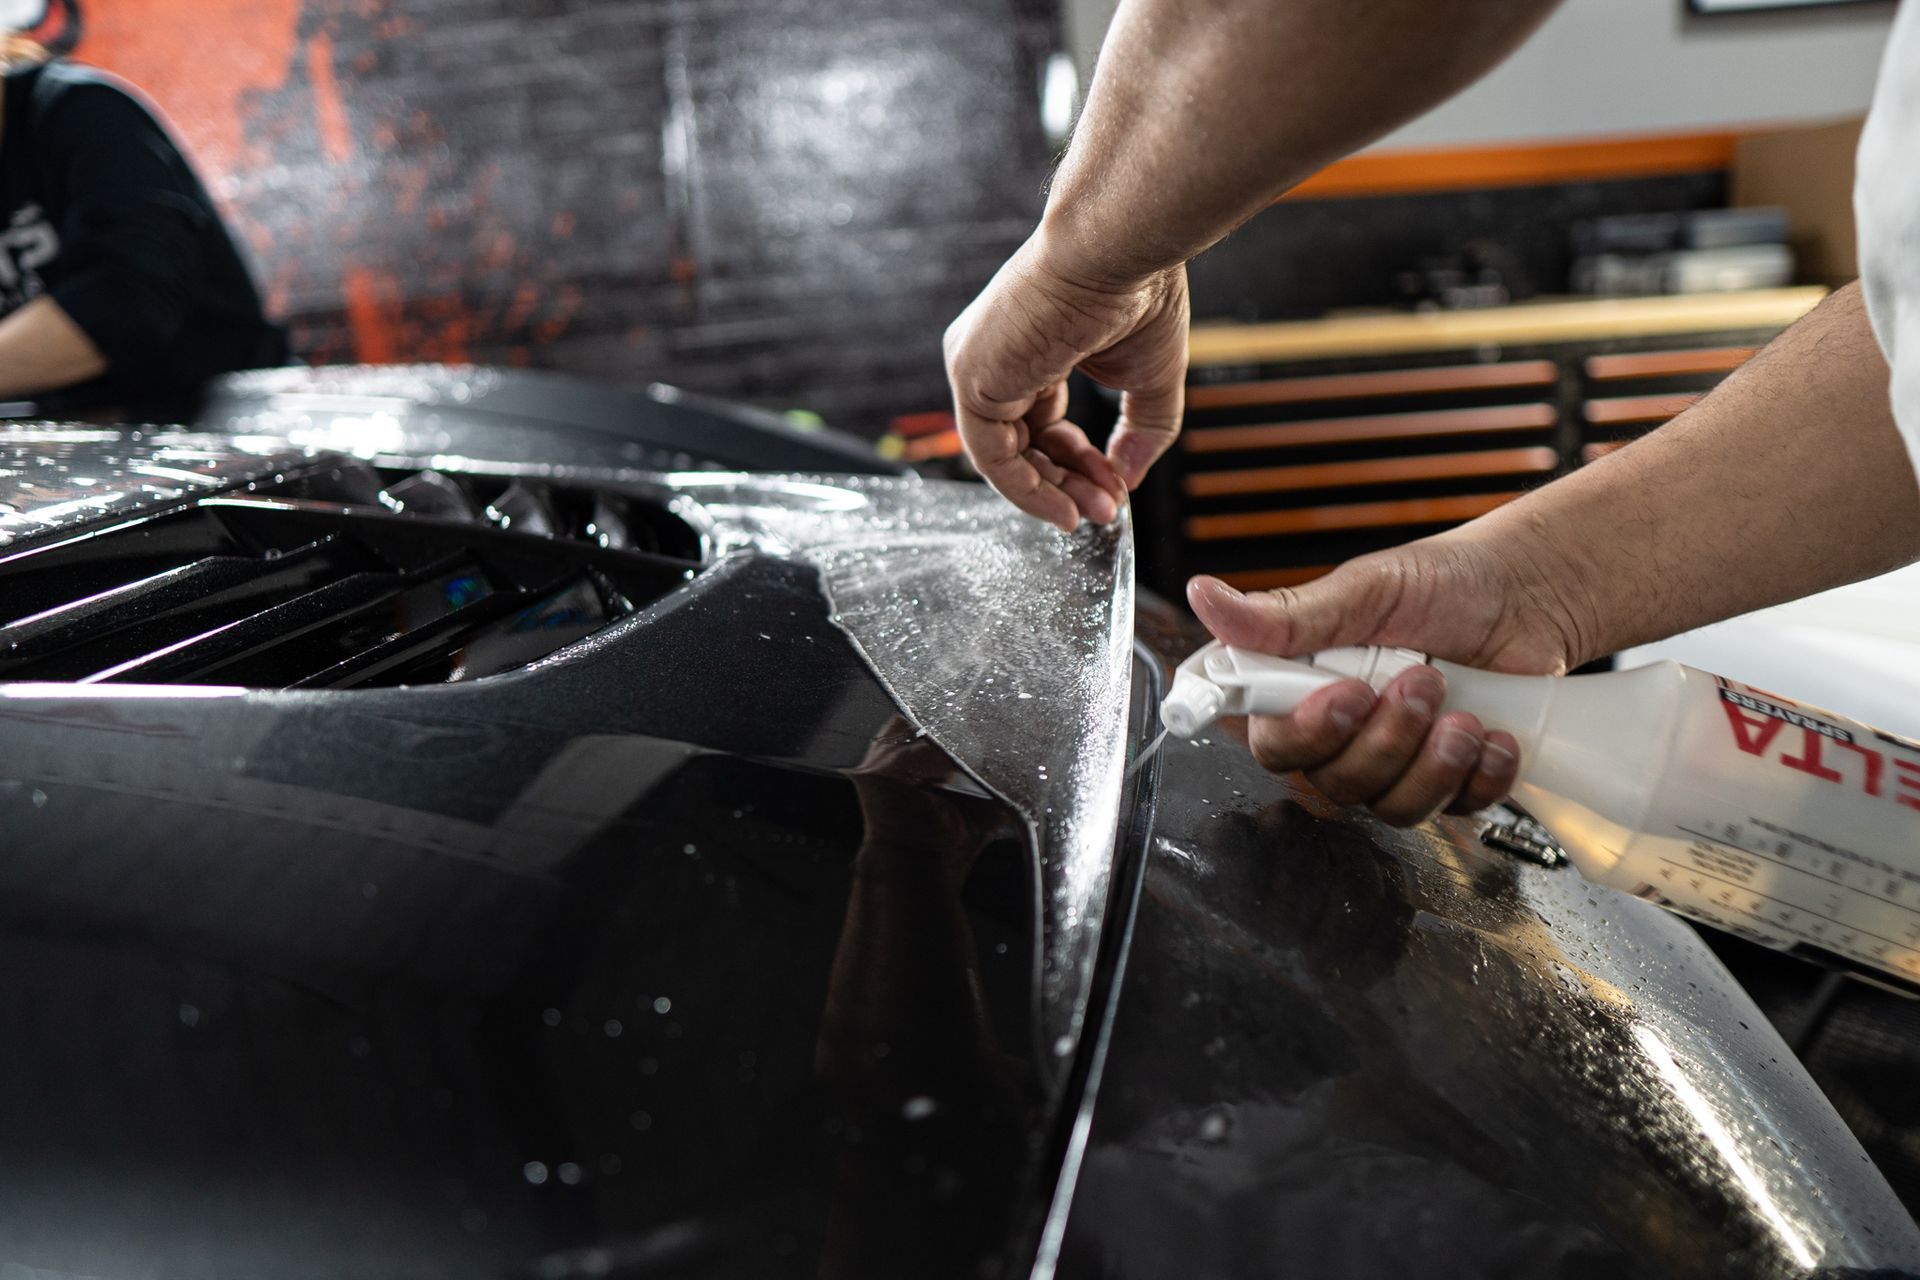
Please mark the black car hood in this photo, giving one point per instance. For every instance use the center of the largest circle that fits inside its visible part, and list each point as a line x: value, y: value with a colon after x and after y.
x: 772, y: 931
x: 592, y: 920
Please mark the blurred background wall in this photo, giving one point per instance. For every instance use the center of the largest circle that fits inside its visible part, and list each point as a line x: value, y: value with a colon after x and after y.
x: 780, y: 200
x: 785, y: 201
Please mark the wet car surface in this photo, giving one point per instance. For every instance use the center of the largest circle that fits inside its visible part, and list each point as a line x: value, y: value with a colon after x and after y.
x: 783, y: 907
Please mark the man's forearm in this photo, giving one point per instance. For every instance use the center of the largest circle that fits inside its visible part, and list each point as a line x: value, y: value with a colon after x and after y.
x: 1788, y: 479
x: 1200, y: 114
x: 42, y: 349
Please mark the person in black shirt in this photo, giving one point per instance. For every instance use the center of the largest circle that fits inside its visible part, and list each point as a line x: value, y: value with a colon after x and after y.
x: 121, y: 291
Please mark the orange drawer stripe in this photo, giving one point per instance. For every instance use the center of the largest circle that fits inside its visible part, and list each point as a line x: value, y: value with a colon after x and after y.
x: 1364, y: 515
x: 1458, y: 168
x: 1667, y: 364
x: 1331, y: 475
x: 1385, y: 426
x: 1360, y: 386
x: 1626, y: 409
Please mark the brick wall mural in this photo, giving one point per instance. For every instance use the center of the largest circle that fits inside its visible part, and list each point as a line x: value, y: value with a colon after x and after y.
x: 780, y: 200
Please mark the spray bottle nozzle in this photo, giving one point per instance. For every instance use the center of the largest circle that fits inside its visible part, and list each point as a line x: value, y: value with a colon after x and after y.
x: 1219, y: 680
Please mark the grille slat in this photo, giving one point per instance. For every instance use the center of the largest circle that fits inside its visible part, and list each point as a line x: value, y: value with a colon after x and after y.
x: 273, y: 647
x: 441, y: 651
x: 289, y: 585
x: 127, y: 621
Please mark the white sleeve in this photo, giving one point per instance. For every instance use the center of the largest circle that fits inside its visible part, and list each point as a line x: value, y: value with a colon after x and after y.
x: 1886, y: 200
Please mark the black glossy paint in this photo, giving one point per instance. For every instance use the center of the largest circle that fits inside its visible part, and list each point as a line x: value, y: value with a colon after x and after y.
x: 728, y: 972
x: 660, y: 426
x: 1347, y: 1052
x: 680, y: 953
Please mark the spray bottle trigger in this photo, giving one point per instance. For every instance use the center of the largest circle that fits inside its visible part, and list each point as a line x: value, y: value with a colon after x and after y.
x: 1260, y: 684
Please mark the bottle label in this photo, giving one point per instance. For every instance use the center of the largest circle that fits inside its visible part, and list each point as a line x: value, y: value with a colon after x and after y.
x: 1789, y: 825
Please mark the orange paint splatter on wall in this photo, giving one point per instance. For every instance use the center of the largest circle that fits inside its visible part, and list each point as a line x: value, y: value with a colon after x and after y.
x: 373, y: 311
x: 329, y: 108
x: 199, y: 62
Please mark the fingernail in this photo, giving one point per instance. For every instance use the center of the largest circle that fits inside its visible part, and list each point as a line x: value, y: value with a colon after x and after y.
x: 1131, y: 456
x: 1496, y: 760
x: 1349, y: 708
x: 1423, y: 694
x: 1218, y: 589
x: 1455, y: 746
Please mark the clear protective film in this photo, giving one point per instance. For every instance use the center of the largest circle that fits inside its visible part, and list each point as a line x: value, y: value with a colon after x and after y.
x: 1005, y: 640
x: 56, y: 477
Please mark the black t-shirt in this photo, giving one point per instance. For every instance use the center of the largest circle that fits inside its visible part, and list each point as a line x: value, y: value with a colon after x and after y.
x: 100, y: 210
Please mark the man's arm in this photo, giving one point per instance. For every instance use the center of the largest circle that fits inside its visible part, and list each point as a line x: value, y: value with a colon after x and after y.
x: 1199, y: 115
x: 1789, y: 478
x: 42, y: 349
x: 131, y: 229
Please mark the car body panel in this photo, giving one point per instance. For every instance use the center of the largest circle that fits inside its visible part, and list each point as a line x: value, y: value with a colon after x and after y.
x: 1347, y: 1051
x: 745, y: 938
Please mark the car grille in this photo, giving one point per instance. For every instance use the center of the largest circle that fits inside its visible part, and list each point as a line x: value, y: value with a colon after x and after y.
x: 337, y: 577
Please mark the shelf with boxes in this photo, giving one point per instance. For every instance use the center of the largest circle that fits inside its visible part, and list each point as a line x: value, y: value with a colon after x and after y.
x: 1311, y: 442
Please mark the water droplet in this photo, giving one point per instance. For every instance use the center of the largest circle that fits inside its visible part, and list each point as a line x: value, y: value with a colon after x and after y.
x: 39, y: 798
x: 1063, y: 1046
x: 613, y: 1028
x: 534, y: 1171
x: 661, y: 1004
x: 569, y: 1173
x: 189, y: 1016
x: 641, y: 1121
x: 551, y: 1017
x: 919, y: 1107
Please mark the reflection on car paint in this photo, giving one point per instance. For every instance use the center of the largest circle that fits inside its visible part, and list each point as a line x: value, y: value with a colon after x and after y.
x: 1006, y: 640
x: 1340, y: 1051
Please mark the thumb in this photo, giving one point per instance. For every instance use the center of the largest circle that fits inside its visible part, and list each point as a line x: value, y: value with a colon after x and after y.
x: 1341, y: 608
x: 1149, y: 421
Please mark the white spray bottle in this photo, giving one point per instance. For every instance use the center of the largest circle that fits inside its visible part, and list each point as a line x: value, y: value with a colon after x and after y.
x: 1770, y: 819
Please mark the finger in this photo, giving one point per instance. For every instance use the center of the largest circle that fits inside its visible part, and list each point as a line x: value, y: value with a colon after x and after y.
x: 1346, y: 606
x: 1318, y: 730
x: 1049, y: 407
x: 1049, y: 470
x: 1068, y: 445
x: 1387, y: 742
x: 1493, y: 776
x: 1149, y: 421
x: 1095, y: 503
x: 998, y: 453
x: 1436, y: 774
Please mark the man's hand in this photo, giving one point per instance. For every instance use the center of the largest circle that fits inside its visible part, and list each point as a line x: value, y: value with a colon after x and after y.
x: 1008, y: 357
x: 1472, y: 601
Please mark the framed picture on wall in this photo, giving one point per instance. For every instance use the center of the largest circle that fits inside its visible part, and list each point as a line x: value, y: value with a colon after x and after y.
x: 1752, y: 6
